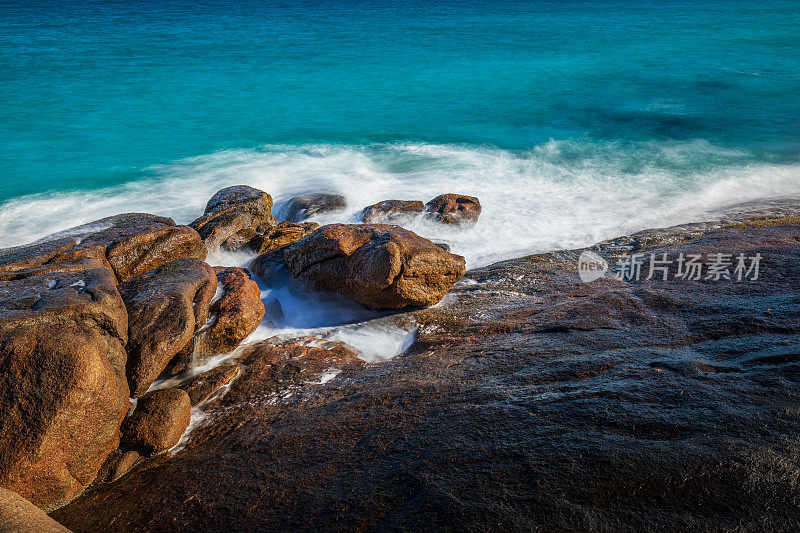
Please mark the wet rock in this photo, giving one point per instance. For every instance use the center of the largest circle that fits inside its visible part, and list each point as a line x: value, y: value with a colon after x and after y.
x: 274, y: 312
x: 18, y: 515
x: 444, y: 246
x: 380, y: 266
x: 683, y: 415
x: 128, y: 244
x: 165, y: 307
x: 456, y: 209
x: 305, y: 206
x: 202, y: 387
x: 392, y: 212
x: 63, y: 391
x: 117, y: 464
x: 158, y: 423
x: 274, y: 364
x: 233, y: 216
x: 232, y: 317
x: 271, y: 268
x: 281, y: 236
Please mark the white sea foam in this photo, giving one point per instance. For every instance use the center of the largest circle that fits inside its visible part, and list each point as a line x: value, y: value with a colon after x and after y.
x: 560, y: 194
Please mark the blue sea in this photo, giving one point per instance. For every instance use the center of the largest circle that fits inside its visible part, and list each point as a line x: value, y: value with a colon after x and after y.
x: 572, y: 121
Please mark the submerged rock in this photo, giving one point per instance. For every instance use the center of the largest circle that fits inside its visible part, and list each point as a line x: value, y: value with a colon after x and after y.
x: 281, y: 236
x: 384, y: 267
x: 456, y: 209
x: 63, y: 391
x: 233, y: 216
x: 392, y: 212
x: 158, y: 422
x: 305, y: 206
x: 18, y: 515
x: 165, y: 307
x: 128, y: 244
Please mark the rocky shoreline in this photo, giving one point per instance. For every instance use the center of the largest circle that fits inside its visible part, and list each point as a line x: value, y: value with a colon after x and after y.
x: 529, y: 400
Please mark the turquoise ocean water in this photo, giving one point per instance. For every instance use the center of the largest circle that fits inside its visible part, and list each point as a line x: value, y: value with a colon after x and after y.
x: 572, y: 121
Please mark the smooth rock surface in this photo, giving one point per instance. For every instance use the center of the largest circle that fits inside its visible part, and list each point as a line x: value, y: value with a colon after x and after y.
x: 63, y: 391
x: 158, y: 422
x: 305, y: 206
x: 18, y: 515
x: 202, y: 387
x: 233, y: 216
x: 165, y: 306
x: 378, y: 265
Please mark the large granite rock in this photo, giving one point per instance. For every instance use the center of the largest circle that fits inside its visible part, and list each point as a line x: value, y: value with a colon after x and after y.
x: 63, y: 392
x: 305, y: 206
x: 128, y: 244
x: 281, y: 236
x: 18, y: 515
x: 384, y: 267
x: 158, y: 422
x: 392, y: 212
x: 210, y: 383
x: 165, y: 307
x: 455, y: 209
x: 234, y: 315
x: 233, y: 216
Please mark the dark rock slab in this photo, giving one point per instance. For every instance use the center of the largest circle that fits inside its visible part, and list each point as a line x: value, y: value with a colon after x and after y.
x: 165, y: 307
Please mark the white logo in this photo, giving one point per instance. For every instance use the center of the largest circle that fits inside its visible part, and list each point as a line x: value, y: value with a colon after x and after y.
x: 591, y: 266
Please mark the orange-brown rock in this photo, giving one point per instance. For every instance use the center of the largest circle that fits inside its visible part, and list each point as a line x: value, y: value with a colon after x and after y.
x: 378, y: 265
x: 165, y: 307
x: 233, y: 216
x: 63, y: 392
x: 128, y: 244
x: 392, y: 212
x: 281, y: 236
x: 158, y: 422
x: 18, y: 515
x: 202, y: 387
x: 456, y: 209
x: 232, y: 317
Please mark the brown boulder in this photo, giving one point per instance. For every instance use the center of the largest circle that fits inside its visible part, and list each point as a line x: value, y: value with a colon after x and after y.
x: 18, y: 515
x: 202, y: 387
x: 233, y: 216
x: 271, y: 268
x: 165, y: 307
x: 305, y: 206
x: 392, y: 212
x: 158, y: 422
x: 281, y: 236
x: 233, y: 316
x: 378, y: 265
x: 456, y: 209
x: 129, y: 244
x: 63, y: 391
